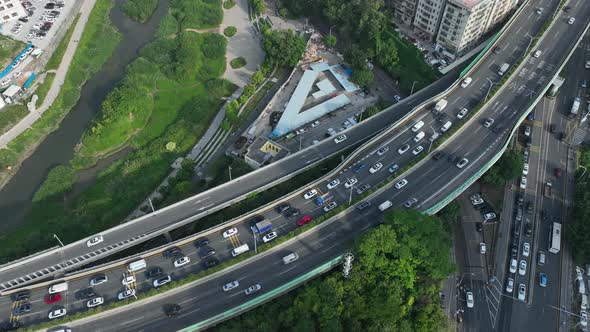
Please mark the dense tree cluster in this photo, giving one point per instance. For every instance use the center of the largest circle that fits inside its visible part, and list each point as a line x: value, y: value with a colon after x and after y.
x: 578, y: 231
x: 508, y: 167
x: 283, y: 48
x: 394, y: 286
x: 140, y: 10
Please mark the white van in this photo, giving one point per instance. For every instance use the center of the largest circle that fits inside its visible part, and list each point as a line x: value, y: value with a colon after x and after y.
x: 385, y: 205
x: 417, y: 126
x: 290, y: 258
x: 446, y: 126
x: 542, y: 258
x: 137, y: 265
x: 419, y: 137
x: 58, y: 288
x: 584, y: 304
x: 240, y: 250
x: 466, y: 82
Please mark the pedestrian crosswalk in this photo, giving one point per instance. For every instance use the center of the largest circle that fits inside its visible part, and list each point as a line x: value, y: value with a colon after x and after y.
x: 578, y: 136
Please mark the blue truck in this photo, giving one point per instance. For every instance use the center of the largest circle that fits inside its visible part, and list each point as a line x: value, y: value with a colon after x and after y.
x: 320, y: 200
x: 262, y: 227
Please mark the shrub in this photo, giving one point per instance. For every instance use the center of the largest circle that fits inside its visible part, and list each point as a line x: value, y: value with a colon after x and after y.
x: 230, y: 31
x: 228, y: 4
x: 238, y: 62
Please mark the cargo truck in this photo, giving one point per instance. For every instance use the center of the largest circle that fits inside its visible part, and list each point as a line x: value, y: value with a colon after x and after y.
x: 262, y: 227
x: 440, y: 105
x: 575, y: 107
x: 320, y: 200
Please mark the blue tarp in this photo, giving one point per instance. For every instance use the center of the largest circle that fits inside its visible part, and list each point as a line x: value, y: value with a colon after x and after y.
x: 29, y: 81
x: 12, y: 64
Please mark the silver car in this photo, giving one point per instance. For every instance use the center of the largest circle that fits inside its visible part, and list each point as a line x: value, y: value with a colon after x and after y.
x: 252, y: 289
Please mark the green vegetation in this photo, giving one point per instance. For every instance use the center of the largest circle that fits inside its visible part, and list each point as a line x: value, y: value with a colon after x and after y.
x: 258, y: 7
x: 508, y: 167
x: 197, y: 14
x: 330, y: 40
x: 229, y: 4
x: 94, y: 48
x: 9, y: 48
x: 58, y: 182
x: 238, y: 62
x: 168, y: 27
x: 578, y: 230
x: 59, y: 52
x: 398, y: 271
x: 11, y: 115
x: 230, y: 31
x: 283, y: 48
x: 43, y: 88
x: 140, y: 10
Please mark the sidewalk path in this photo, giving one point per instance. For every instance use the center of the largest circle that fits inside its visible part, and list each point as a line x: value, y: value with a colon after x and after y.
x: 61, y: 72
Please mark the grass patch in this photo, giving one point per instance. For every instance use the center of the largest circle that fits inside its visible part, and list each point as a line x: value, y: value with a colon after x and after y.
x: 238, y: 62
x: 229, y: 4
x: 9, y: 48
x: 230, y: 31
x: 140, y: 10
x: 59, y: 52
x: 43, y: 88
x: 11, y: 115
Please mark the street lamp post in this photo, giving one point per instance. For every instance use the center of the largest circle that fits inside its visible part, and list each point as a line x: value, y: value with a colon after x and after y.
x: 330, y: 33
x: 255, y: 242
x: 490, y: 88
x: 530, y: 42
x: 229, y: 169
x: 57, y: 238
x: 412, y: 90
x: 300, y: 141
x: 350, y: 196
x: 151, y: 205
x: 583, y: 173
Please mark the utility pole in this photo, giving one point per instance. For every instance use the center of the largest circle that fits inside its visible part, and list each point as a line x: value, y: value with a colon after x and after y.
x: 255, y: 242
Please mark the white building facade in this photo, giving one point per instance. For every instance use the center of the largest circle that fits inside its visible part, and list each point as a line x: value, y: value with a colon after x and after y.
x: 11, y: 10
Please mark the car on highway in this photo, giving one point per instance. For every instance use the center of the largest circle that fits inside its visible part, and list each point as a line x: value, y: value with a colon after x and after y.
x: 23, y: 308
x: 497, y: 50
x: 583, y: 318
x: 382, y: 150
x: 315, y: 124
x: 510, y: 285
x: 210, y: 262
x: 462, y: 113
x: 199, y: 243
x: 21, y: 296
x: 128, y: 279
x: 527, y: 131
x: 417, y: 150
x: 539, y: 10
x: 330, y: 206
x: 332, y: 184
x: 469, y: 299
x: 99, y: 279
x: 410, y: 202
x: 462, y: 163
x: 526, y: 249
x: 482, y: 248
x: 350, y: 182
x: 52, y: 298
x: 488, y: 123
x: 438, y: 155
x: 363, y: 205
x: 173, y: 310
x: 57, y: 312
x: 401, y: 183
x: 528, y: 229
x: 393, y: 168
x: 301, y: 131
x: 557, y: 172
x: 477, y: 201
x: 521, y: 292
x: 304, y: 220
x: 375, y: 168
x: 252, y: 289
x: 269, y: 237
x: 172, y: 252
x: 479, y: 227
x: 126, y: 294
x: 181, y: 261
x: 207, y: 252
x: 571, y: 20
x: 154, y: 272
x: 363, y: 188
x: 340, y: 139
x: 513, y: 265
x: 230, y: 232
x: 466, y: 82
x: 292, y: 212
x: 489, y: 216
x: 542, y: 279
x: 525, y: 169
x: 283, y: 207
x: 310, y: 194
x: 357, y: 168
x: 537, y: 54
x: 94, y: 241
x: 402, y: 149
x: 230, y: 285
x: 523, y: 182
x: 397, y: 98
x: 85, y: 293
x: 474, y: 196
x: 162, y: 281
x: 95, y: 302
x: 522, y: 267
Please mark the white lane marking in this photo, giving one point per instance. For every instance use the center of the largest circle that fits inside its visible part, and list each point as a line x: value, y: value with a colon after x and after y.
x: 131, y: 321
x: 205, y: 207
x: 190, y: 312
x: 287, y: 270
x: 186, y: 301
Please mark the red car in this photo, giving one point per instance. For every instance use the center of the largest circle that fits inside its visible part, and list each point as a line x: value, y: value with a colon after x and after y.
x: 52, y: 298
x: 558, y: 172
x: 303, y: 220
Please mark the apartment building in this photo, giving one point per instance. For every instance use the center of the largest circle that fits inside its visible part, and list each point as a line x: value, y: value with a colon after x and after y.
x: 11, y: 10
x: 500, y: 10
x: 427, y: 19
x: 405, y: 10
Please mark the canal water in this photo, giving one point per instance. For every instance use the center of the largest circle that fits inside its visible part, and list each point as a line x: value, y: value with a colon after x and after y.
x: 58, y: 147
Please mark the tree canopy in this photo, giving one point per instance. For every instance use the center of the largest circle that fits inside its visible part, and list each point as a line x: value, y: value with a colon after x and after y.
x: 578, y: 230
x: 508, y: 167
x: 283, y: 48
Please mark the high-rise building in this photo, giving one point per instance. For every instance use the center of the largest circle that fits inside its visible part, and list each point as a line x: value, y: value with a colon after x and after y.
x: 427, y: 19
x: 500, y: 11
x: 11, y: 10
x: 404, y: 10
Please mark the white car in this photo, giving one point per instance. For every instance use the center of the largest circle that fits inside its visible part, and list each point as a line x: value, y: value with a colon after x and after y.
x: 95, y: 240
x: 269, y: 237
x: 301, y: 131
x: 417, y: 150
x: 489, y: 216
x: 350, y: 182
x: 526, y: 249
x: 228, y: 233
x: 474, y: 196
x: 330, y: 206
x: 310, y: 194
x: 315, y: 124
x: 523, y: 181
x: 522, y: 267
x: 537, y: 54
x: 340, y: 139
x: 470, y: 302
x: 162, y: 281
x: 521, y: 292
x: 466, y: 82
x: 488, y: 123
x: 482, y: 248
x: 539, y: 10
x: 462, y: 113
x: 59, y: 312
x: 477, y: 201
x: 583, y: 318
x: 401, y: 183
x: 230, y: 285
x: 525, y: 169
x: 527, y: 131
x: 128, y: 280
x: 95, y: 302
x: 510, y: 285
x: 382, y: 150
x: 513, y: 265
x: 571, y: 20
x: 5, y: 81
x: 17, y: 74
x: 252, y: 289
x: 375, y: 168
x: 587, y: 64
x: 181, y: 261
x: 333, y: 184
x: 403, y: 149
x: 462, y: 163
x: 126, y: 294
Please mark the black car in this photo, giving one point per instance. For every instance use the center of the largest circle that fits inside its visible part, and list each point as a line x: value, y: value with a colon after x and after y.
x: 552, y: 128
x: 210, y: 263
x: 206, y: 252
x: 172, y: 252
x: 22, y: 309
x: 86, y: 293
x: 362, y: 205
x: 201, y: 242
x: 498, y: 129
x: 441, y: 118
x: 283, y: 207
x: 561, y: 136
x: 529, y: 207
x: 438, y: 155
x: 453, y: 158
x: 362, y: 189
x: 21, y: 296
x: 567, y: 9
x: 516, y: 230
x: 256, y: 219
x: 496, y: 50
x: 479, y: 227
x: 292, y: 212
x: 154, y: 272
x: 172, y: 310
x: 528, y: 229
x: 482, y: 206
x: 513, y: 250
x: 520, y: 200
x: 24, y: 19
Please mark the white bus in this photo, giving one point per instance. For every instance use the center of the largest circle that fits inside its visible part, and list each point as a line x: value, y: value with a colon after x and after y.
x: 555, y: 238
